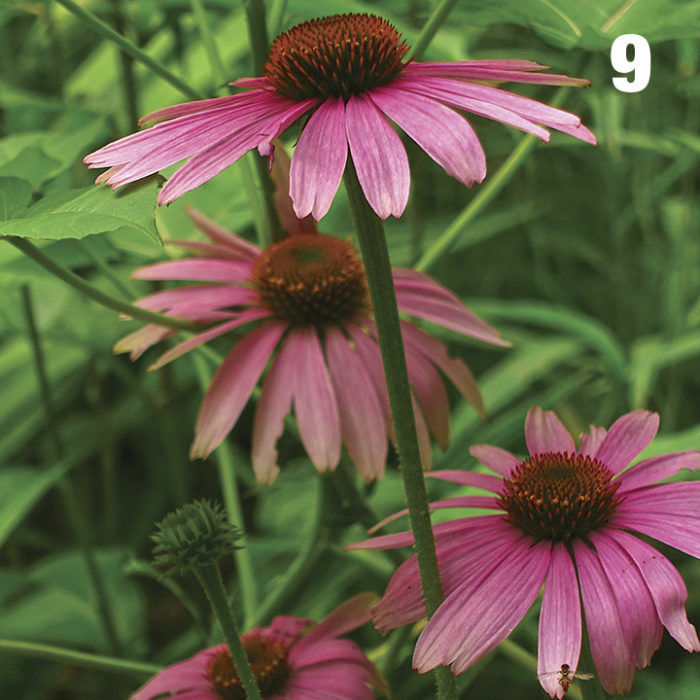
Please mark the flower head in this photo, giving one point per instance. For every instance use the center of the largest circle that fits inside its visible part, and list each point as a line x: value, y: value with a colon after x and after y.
x: 291, y: 659
x: 562, y: 520
x: 349, y: 72
x: 306, y: 297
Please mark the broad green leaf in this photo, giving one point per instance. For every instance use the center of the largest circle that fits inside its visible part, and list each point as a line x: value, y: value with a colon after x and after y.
x: 20, y: 489
x: 15, y: 195
x: 93, y: 210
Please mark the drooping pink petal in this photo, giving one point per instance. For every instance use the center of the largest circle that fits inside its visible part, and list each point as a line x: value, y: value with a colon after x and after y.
x: 263, y: 82
x: 424, y: 445
x: 559, y: 636
x: 455, y: 502
x: 591, y: 441
x: 641, y: 625
x: 467, y: 478
x: 210, y: 161
x: 679, y: 531
x: 675, y: 499
x: 205, y: 269
x: 627, y: 437
x: 183, y: 676
x: 611, y: 655
x: 544, y: 432
x: 482, y: 612
x: 454, y: 146
x: 658, y: 468
x: 210, y: 296
x: 517, y: 71
x: 431, y: 395
x: 359, y: 407
x: 232, y: 385
x: 499, y: 460
x: 581, y: 132
x: 471, y: 550
x: 453, y: 368
x: 378, y: 156
x: 239, y: 247
x: 419, y: 295
x: 352, y: 614
x: 319, y: 160
x: 448, y: 93
x: 195, y: 341
x: 331, y: 681
x: 274, y: 404
x: 185, y: 108
x: 666, y: 586
x: 315, y: 403
x: 139, y: 341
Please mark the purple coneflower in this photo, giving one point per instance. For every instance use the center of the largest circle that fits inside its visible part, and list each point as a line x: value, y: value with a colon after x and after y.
x: 563, y: 522
x: 292, y: 659
x: 349, y: 72
x: 307, y: 295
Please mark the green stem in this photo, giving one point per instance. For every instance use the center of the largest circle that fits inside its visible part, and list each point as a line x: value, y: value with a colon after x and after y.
x: 232, y: 501
x: 257, y: 32
x: 275, y: 16
x: 494, y: 185
x: 72, y: 505
x: 104, y: 268
x: 105, y: 31
x: 215, y: 63
x: 127, y: 69
x: 430, y: 28
x: 375, y: 255
x: 210, y: 578
x: 78, y: 658
x: 31, y: 251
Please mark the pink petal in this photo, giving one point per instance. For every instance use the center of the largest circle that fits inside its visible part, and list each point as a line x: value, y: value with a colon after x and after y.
x: 206, y: 269
x: 454, y: 369
x: 665, y: 585
x: 210, y: 161
x: 379, y: 157
x: 232, y: 385
x: 482, y: 612
x: 426, y: 452
x: 680, y: 498
x: 449, y: 94
x: 359, y: 408
x: 591, y: 441
x: 238, y: 246
x: 349, y: 616
x: 580, y: 132
x: 443, y: 134
x: 183, y: 676
x: 139, y: 341
x: 319, y: 160
x: 185, y: 108
x: 642, y: 627
x: 210, y: 296
x: 627, y: 437
x: 679, y: 531
x: 518, y: 71
x: 544, y: 432
x: 559, y: 636
x: 419, y: 295
x: 315, y: 402
x: 195, y: 341
x: 499, y: 460
x: 470, y: 550
x: 611, y: 656
x: 657, y: 468
x: 432, y: 396
x: 275, y: 403
x: 467, y: 478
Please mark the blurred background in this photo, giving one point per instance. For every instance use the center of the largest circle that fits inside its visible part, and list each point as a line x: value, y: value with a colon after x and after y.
x: 587, y: 259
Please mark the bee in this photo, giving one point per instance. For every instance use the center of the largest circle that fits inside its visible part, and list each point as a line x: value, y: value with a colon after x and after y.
x: 566, y: 676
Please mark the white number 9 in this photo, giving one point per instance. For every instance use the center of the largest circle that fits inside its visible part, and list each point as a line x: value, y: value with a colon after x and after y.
x: 640, y: 64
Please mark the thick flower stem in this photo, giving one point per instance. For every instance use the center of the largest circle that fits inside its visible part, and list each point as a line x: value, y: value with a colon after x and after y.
x: 213, y: 586
x: 375, y: 255
x: 31, y: 251
x: 257, y: 32
x: 430, y: 28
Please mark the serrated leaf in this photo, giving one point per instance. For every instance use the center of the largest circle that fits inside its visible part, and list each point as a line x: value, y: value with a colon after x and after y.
x: 93, y: 210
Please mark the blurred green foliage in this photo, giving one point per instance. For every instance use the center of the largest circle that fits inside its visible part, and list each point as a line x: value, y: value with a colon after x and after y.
x: 588, y: 261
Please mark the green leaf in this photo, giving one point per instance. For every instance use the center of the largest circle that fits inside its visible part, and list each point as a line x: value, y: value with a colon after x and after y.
x: 15, y: 195
x: 20, y: 489
x: 93, y: 210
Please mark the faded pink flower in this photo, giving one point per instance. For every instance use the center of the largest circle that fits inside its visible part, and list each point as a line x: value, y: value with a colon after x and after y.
x: 563, y: 521
x: 348, y: 72
x: 292, y: 659
x: 307, y: 295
